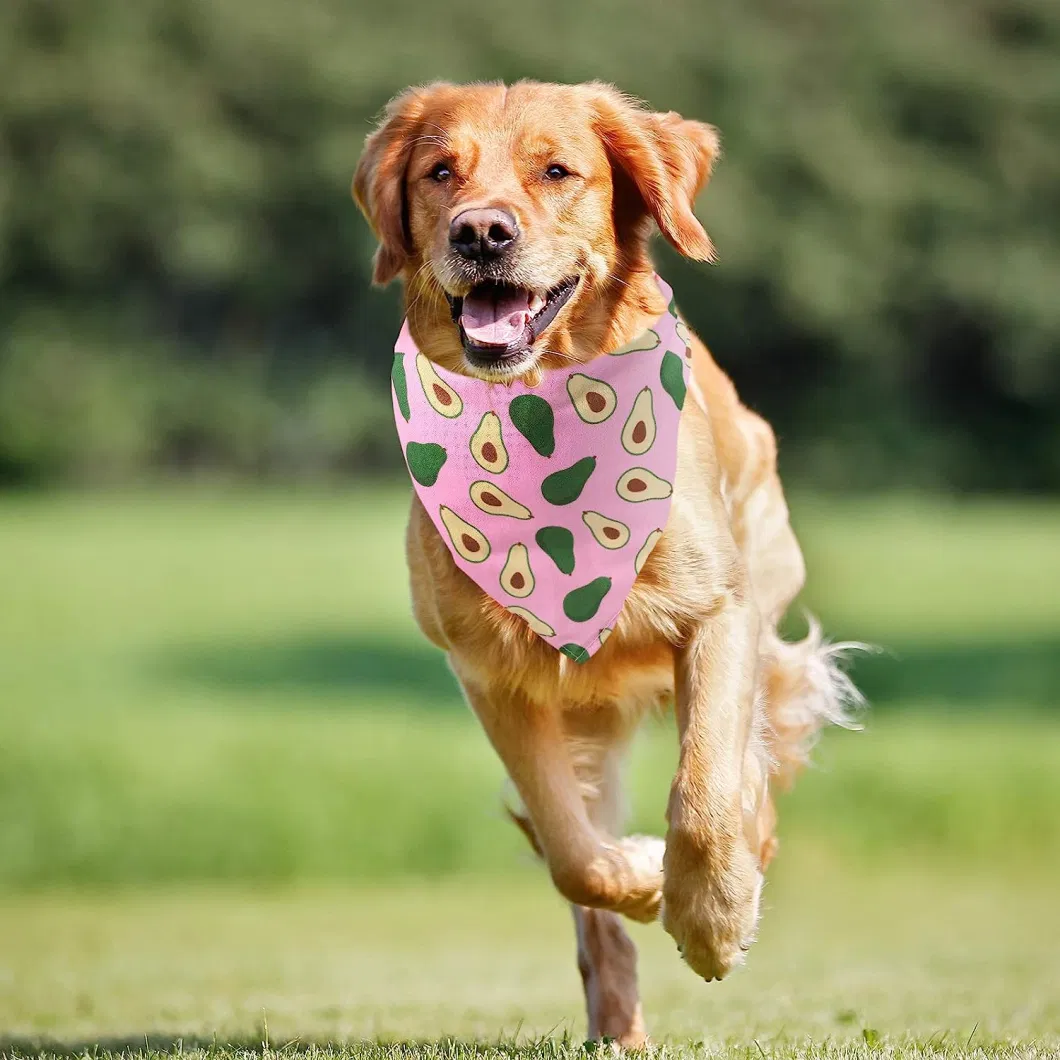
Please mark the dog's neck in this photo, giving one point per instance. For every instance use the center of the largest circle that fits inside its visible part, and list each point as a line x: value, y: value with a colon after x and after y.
x: 606, y: 316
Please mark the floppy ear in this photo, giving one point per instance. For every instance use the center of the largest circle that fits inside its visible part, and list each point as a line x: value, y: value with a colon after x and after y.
x: 379, y: 182
x: 667, y: 158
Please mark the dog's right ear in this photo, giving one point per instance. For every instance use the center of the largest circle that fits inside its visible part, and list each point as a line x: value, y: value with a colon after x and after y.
x: 379, y: 182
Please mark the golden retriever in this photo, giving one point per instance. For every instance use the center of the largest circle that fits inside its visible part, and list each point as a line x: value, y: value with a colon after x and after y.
x: 562, y: 185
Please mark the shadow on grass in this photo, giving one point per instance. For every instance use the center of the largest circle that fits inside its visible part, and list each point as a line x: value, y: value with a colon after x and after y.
x: 1022, y: 673
x: 323, y: 666
x: 143, y: 1045
x: 148, y: 1045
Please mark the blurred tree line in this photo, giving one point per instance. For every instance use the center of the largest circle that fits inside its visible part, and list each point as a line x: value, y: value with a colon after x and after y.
x: 184, y: 280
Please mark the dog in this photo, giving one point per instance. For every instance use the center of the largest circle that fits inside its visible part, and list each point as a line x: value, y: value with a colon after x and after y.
x: 549, y: 194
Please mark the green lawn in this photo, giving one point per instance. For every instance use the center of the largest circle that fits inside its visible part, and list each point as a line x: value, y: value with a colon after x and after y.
x: 905, y: 956
x: 234, y: 781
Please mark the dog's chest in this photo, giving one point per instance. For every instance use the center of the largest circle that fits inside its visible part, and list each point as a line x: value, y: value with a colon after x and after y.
x: 646, y: 689
x: 631, y: 682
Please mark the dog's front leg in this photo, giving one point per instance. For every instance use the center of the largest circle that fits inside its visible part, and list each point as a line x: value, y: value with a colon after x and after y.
x: 713, y: 882
x: 589, y: 867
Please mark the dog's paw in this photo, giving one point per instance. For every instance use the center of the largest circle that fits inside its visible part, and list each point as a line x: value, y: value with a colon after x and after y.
x: 712, y: 915
x: 644, y: 856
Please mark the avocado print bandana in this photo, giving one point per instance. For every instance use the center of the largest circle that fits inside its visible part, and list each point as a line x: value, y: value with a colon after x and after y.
x: 550, y: 498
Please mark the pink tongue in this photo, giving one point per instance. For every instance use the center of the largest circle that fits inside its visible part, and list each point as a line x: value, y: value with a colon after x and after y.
x: 496, y: 317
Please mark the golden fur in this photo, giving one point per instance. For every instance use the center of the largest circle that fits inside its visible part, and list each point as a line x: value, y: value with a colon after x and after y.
x: 700, y: 625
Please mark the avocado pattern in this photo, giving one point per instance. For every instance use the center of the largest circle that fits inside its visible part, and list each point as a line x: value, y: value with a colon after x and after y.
x: 642, y: 344
x: 682, y: 333
x: 672, y: 377
x: 425, y: 460
x: 533, y: 418
x: 468, y: 541
x: 608, y: 532
x: 565, y: 487
x: 579, y: 605
x: 646, y: 550
x: 441, y: 396
x: 550, y: 494
x: 491, y: 499
x: 640, y: 484
x: 593, y: 399
x: 401, y: 385
x: 517, y: 579
x: 539, y: 626
x: 557, y: 542
x: 487, y: 444
x: 576, y: 652
x: 638, y: 434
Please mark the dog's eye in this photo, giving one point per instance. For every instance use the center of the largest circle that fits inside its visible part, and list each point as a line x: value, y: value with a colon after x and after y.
x: 556, y: 172
x: 440, y: 173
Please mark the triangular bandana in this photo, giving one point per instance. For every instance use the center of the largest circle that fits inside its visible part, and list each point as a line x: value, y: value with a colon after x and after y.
x: 550, y: 498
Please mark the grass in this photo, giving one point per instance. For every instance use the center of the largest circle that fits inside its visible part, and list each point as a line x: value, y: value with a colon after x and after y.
x: 237, y: 788
x: 200, y: 686
x: 905, y: 956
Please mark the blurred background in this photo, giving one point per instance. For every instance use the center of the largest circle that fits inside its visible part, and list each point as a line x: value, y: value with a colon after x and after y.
x: 212, y: 696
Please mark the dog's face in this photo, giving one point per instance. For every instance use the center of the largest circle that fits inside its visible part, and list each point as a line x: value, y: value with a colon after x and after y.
x: 516, y: 214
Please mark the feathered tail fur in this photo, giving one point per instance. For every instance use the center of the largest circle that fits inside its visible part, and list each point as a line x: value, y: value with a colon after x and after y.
x: 806, y: 687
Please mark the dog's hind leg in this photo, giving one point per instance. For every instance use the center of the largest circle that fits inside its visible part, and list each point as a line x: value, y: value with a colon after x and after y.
x: 607, y: 961
x: 607, y: 958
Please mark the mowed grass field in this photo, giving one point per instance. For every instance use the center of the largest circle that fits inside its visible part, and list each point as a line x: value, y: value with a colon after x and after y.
x: 242, y: 803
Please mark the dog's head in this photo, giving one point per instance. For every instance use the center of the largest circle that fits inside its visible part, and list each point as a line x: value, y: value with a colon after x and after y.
x: 519, y: 216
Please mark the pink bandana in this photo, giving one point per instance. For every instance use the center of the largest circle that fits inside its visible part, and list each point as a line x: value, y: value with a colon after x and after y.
x: 550, y: 498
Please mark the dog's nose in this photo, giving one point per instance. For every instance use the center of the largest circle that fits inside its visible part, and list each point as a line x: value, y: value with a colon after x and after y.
x: 483, y: 235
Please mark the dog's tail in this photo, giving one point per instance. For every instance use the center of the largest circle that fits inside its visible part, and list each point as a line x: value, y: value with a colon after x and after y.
x: 806, y: 687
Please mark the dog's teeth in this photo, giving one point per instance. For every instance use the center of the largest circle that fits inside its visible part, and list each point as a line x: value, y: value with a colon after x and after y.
x: 536, y: 303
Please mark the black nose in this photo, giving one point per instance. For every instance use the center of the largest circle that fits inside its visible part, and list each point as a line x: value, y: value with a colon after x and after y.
x: 483, y: 235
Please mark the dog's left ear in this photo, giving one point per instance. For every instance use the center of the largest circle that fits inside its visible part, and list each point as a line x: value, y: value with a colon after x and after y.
x: 667, y: 158
x: 379, y: 182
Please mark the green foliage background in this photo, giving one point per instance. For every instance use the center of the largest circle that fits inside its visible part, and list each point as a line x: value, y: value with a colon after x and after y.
x: 184, y: 281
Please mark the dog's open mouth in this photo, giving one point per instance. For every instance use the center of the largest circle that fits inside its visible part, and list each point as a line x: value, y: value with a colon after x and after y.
x: 499, y: 323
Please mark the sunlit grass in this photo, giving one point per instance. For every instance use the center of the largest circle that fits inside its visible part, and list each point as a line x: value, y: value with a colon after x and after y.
x: 905, y: 955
